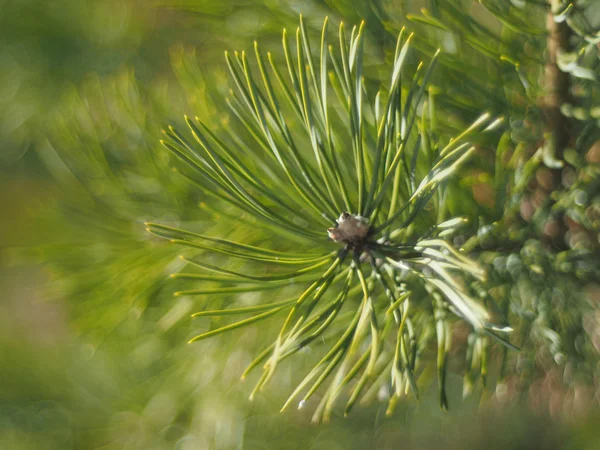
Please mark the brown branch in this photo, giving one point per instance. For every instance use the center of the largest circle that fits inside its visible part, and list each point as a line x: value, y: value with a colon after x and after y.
x: 556, y: 82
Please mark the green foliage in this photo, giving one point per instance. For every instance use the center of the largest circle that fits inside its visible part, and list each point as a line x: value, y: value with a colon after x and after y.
x: 455, y: 227
x: 510, y: 51
x: 371, y: 159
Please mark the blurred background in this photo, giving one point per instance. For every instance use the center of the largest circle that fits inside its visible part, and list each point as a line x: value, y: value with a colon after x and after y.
x: 92, y: 340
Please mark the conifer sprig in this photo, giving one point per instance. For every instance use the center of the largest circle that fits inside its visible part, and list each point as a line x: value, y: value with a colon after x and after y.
x: 311, y: 146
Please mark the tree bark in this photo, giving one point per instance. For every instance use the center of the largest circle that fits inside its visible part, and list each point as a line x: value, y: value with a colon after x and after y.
x: 556, y: 82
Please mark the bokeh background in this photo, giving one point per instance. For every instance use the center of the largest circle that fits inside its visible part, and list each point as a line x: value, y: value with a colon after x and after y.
x: 92, y: 341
